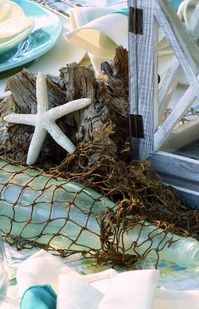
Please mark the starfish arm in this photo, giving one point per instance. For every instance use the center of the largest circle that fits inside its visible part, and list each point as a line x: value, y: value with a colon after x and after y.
x: 68, y: 108
x: 21, y: 119
x: 60, y: 138
x: 41, y: 93
x: 36, y: 145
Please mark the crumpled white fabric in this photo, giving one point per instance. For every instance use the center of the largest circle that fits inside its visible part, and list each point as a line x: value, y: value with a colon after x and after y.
x: 170, y: 299
x: 132, y: 289
x: 96, y: 31
x: 40, y: 268
x: 104, y: 290
x: 99, y: 32
x: 74, y: 292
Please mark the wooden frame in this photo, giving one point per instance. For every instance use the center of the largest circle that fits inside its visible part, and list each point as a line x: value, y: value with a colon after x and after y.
x: 180, y: 172
x: 174, y: 73
x: 141, y: 61
x: 144, y: 95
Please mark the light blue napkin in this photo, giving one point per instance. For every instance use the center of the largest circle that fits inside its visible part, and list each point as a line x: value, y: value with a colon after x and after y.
x: 38, y: 297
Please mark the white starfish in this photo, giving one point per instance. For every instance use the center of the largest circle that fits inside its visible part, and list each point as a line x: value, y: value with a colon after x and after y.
x: 44, y: 120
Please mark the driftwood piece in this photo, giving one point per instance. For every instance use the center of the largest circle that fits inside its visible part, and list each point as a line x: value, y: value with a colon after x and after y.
x: 16, y: 138
x: 109, y: 96
x: 112, y: 91
x: 80, y: 82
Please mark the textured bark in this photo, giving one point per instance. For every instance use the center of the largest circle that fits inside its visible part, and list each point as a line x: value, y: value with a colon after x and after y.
x: 108, y: 93
x: 112, y: 91
x: 80, y: 82
x: 15, y: 138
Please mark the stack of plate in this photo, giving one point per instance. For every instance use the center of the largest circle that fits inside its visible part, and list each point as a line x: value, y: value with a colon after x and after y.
x: 27, y: 31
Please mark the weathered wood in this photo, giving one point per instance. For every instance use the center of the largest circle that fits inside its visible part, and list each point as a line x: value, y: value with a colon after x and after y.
x: 174, y: 117
x: 109, y: 96
x: 168, y: 86
x: 186, y: 51
x: 133, y: 84
x: 193, y: 25
x: 175, y: 170
x: 155, y: 75
x: 179, y: 172
x: 175, y: 71
x: 113, y: 92
x: 191, y: 197
x: 185, y: 169
x: 141, y: 59
x: 181, y: 42
x: 15, y: 139
x: 182, y: 135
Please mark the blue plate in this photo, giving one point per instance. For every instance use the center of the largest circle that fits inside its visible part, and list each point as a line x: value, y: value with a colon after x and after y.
x: 47, y: 28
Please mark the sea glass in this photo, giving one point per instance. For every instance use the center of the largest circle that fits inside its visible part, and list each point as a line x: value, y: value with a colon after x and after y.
x: 64, y: 215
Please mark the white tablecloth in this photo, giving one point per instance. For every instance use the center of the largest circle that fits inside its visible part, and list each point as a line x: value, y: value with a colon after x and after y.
x: 172, y: 276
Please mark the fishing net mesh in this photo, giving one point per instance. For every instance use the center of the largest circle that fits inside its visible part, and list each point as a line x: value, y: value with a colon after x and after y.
x: 57, y: 209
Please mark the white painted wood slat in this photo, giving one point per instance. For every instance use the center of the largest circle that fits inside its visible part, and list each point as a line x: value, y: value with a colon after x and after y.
x: 174, y: 73
x: 180, y: 167
x: 179, y: 39
x: 179, y: 172
x: 176, y: 36
x: 178, y: 111
x: 133, y: 83
x: 193, y: 26
x: 142, y: 83
x: 182, y: 136
x: 168, y: 86
x: 155, y: 75
x: 143, y: 73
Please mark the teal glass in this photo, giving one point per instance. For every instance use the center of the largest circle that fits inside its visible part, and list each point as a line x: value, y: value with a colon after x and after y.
x: 3, y: 272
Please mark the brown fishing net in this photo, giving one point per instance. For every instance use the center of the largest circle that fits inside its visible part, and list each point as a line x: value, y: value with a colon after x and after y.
x: 94, y: 201
x: 57, y: 210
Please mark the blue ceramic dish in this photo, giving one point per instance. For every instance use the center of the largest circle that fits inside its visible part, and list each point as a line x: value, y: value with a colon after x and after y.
x: 175, y: 3
x: 47, y: 28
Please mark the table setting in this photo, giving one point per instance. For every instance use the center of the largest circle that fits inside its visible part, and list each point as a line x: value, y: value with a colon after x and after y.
x: 71, y: 236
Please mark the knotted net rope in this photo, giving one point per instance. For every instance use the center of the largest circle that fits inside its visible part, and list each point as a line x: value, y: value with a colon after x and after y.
x: 89, y: 202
